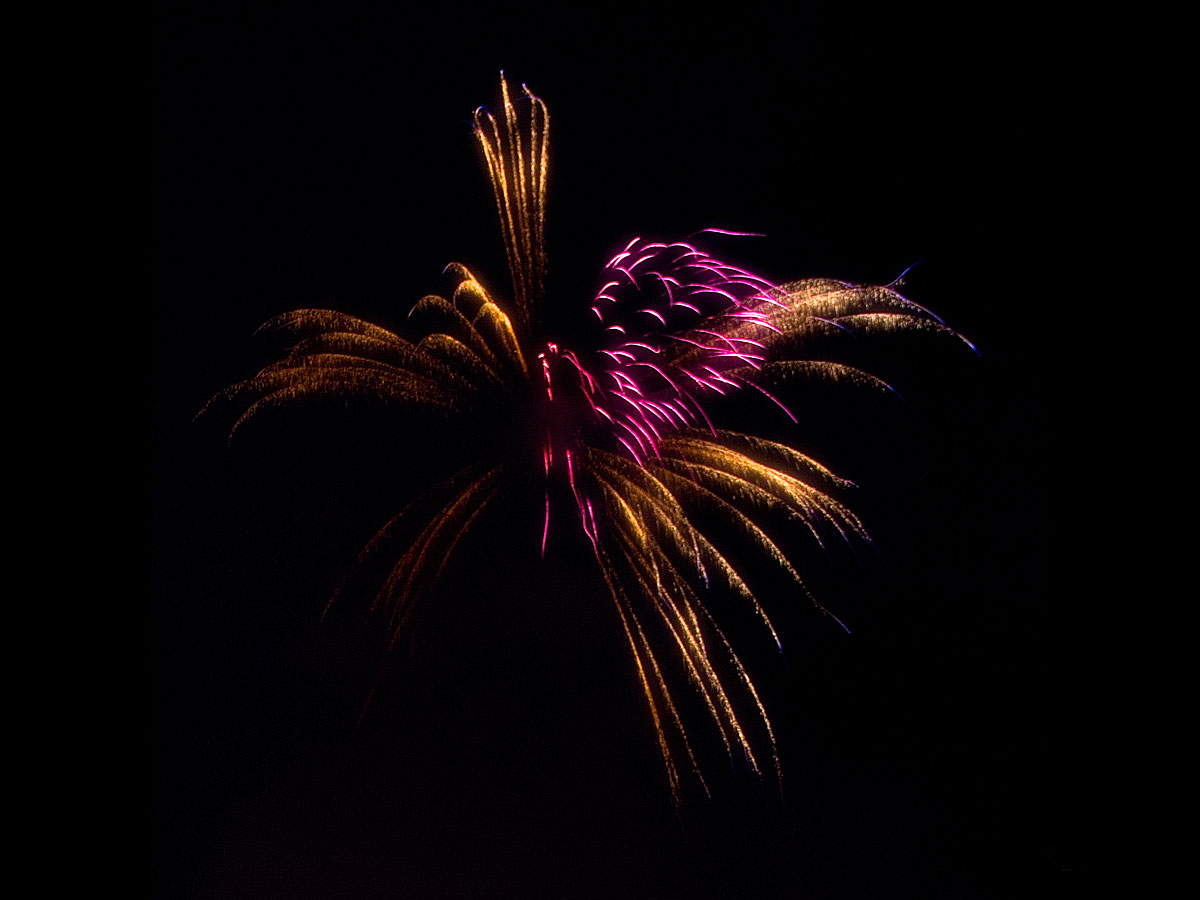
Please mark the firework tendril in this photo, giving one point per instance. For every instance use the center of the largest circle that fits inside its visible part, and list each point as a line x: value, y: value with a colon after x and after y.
x: 625, y: 426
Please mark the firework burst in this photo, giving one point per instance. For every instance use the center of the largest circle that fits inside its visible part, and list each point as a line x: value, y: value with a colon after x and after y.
x: 624, y: 426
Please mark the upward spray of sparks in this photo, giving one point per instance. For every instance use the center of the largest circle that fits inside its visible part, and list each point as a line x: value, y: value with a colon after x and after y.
x: 626, y: 424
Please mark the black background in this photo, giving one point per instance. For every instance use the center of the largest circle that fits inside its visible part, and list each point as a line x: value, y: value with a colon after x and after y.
x: 323, y: 157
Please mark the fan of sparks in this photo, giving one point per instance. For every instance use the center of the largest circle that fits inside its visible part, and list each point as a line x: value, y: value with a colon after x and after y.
x: 625, y: 426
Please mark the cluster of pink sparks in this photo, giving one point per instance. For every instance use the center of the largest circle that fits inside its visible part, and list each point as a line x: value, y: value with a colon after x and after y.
x: 662, y: 303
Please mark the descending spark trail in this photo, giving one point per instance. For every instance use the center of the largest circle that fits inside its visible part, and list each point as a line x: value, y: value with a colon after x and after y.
x: 626, y: 422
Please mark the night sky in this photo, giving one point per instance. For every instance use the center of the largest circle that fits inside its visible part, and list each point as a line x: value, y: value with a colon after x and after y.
x: 308, y: 156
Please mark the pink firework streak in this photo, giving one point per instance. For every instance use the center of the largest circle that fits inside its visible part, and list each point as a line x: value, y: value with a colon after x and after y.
x: 662, y: 311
